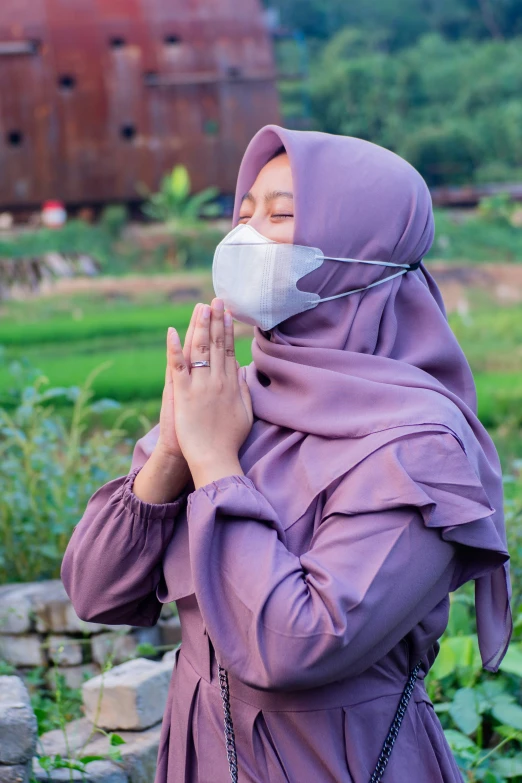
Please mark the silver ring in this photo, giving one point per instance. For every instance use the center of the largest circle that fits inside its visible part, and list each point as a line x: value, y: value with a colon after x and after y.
x: 200, y: 364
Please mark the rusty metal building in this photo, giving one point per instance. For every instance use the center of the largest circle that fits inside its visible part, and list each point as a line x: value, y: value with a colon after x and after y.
x: 99, y: 95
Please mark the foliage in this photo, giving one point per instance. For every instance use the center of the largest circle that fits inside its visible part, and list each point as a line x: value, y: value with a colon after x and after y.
x: 480, y: 712
x: 29, y: 257
x: 59, y: 704
x: 400, y: 22
x: 481, y: 236
x: 114, y: 218
x: 56, y: 710
x: 124, y: 334
x: 76, y: 236
x: 49, y: 470
x: 502, y: 209
x: 452, y: 108
x: 195, y: 239
x: 174, y: 203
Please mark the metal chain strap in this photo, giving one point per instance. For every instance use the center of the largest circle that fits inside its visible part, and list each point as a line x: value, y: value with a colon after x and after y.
x: 386, y: 748
x: 395, y: 725
x: 229, y: 727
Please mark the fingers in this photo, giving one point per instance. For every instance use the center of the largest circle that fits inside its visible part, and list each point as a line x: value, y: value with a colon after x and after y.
x: 231, y: 363
x: 200, y: 348
x: 190, y: 333
x: 213, y: 340
x: 217, y: 338
x: 178, y: 365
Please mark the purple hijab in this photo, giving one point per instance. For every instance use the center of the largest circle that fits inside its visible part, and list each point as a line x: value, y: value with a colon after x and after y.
x: 357, y: 372
x: 334, y: 385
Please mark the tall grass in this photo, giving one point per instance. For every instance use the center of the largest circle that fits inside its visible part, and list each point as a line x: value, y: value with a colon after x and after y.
x: 48, y: 471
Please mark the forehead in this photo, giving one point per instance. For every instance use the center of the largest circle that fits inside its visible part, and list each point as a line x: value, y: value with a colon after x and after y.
x: 273, y: 181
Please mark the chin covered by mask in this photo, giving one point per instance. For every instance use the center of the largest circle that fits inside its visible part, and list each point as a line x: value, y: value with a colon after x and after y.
x: 257, y: 277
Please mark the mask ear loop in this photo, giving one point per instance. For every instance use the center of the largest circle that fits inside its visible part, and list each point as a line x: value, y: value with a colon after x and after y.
x: 405, y: 268
x: 364, y: 288
x: 364, y: 261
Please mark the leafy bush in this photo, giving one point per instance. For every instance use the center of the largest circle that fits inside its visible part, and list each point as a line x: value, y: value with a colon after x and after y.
x: 475, y: 238
x: 480, y: 712
x: 113, y: 219
x: 48, y: 471
x: 174, y: 202
x: 451, y: 107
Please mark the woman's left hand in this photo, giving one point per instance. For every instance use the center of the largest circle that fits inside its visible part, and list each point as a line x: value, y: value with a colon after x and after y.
x: 213, y: 412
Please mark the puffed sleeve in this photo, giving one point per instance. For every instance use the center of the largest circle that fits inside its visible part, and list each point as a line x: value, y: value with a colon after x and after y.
x: 279, y: 621
x: 112, y: 565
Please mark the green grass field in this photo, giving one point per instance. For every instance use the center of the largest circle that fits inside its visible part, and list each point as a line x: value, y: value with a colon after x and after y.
x: 67, y: 339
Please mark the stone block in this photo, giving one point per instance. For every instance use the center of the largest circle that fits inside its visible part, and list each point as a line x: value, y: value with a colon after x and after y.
x: 15, y: 608
x: 41, y: 606
x: 23, y: 649
x: 170, y: 630
x: 65, y: 650
x: 122, y: 646
x: 168, y: 610
x: 73, y: 674
x: 134, y: 694
x: 171, y: 655
x: 151, y: 635
x: 19, y: 773
x: 18, y: 728
x: 139, y: 751
x: 55, y: 612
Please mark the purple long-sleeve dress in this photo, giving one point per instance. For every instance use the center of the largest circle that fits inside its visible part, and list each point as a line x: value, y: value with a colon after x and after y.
x: 317, y: 620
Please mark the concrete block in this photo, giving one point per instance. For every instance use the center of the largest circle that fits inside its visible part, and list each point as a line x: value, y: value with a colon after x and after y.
x: 168, y: 610
x: 64, y: 650
x: 41, y: 606
x: 23, y: 649
x: 19, y: 773
x: 55, y: 612
x: 134, y: 694
x: 18, y: 728
x: 171, y: 655
x: 170, y: 630
x: 122, y: 646
x: 139, y: 752
x: 16, y: 608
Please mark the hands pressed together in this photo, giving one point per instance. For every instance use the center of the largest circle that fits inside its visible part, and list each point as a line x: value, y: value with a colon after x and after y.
x: 206, y: 412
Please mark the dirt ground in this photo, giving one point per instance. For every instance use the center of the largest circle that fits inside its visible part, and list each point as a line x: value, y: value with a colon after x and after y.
x: 500, y: 282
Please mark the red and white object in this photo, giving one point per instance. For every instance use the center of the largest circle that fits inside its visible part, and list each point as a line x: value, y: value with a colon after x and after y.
x: 54, y: 214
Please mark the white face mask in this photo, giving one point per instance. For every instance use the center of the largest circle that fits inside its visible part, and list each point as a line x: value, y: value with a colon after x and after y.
x: 256, y: 277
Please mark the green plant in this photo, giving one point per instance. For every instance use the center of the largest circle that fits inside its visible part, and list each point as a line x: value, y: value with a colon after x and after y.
x: 480, y: 713
x: 497, y: 209
x: 48, y: 471
x: 77, y: 760
x: 64, y: 704
x: 113, y: 219
x: 451, y: 107
x: 174, y: 204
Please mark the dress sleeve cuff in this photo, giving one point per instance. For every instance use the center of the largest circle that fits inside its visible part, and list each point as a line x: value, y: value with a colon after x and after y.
x: 213, y: 488
x: 145, y: 510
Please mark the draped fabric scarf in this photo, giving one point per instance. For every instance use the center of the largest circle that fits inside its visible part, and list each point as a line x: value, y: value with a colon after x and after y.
x: 331, y: 386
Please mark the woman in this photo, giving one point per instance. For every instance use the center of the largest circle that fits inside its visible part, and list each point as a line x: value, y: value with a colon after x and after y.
x: 309, y: 513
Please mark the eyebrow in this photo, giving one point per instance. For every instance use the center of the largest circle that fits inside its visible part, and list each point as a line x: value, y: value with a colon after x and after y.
x: 273, y: 194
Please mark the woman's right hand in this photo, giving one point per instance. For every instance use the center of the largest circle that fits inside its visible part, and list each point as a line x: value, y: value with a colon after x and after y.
x: 167, y: 440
